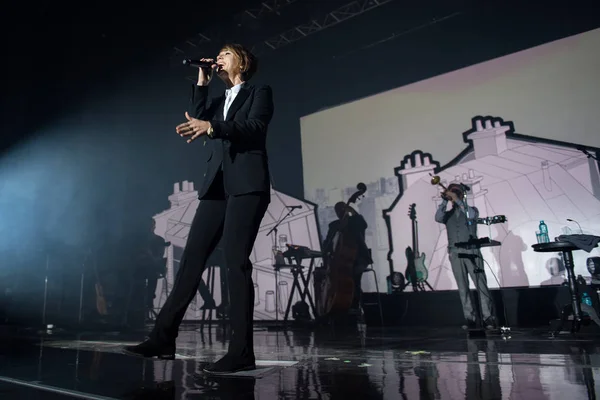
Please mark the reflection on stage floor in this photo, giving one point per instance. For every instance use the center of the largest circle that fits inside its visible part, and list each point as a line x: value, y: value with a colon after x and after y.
x: 373, y: 364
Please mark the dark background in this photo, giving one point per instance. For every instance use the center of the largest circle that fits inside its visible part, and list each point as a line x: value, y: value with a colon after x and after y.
x: 92, y: 93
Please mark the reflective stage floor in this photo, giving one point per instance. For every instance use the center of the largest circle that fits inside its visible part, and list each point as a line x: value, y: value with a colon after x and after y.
x: 361, y: 364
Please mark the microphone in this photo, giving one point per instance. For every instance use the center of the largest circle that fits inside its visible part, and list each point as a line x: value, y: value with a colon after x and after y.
x: 464, y: 187
x: 198, y: 63
x: 293, y: 207
x: 572, y: 220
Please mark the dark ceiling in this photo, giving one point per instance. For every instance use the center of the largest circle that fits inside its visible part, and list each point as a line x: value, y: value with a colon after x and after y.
x: 94, y: 30
x: 59, y: 50
x: 56, y: 49
x: 91, y: 29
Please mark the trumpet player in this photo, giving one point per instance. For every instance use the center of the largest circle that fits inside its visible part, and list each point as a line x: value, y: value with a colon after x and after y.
x: 461, y: 226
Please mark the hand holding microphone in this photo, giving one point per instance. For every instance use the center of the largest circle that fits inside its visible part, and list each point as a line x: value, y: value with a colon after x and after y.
x: 205, y: 66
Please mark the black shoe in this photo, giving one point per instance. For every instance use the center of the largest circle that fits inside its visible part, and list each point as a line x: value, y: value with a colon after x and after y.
x: 229, y: 365
x: 150, y: 349
x: 470, y: 325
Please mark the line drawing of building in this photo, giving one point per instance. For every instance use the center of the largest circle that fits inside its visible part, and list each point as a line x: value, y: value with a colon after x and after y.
x: 523, y: 177
x: 527, y: 179
x: 299, y: 227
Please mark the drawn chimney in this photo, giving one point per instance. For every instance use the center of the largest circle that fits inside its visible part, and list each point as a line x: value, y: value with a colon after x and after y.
x: 414, y: 167
x: 488, y: 140
x: 183, y: 195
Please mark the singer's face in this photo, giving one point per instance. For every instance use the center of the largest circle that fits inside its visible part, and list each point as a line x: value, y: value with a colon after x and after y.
x: 228, y: 63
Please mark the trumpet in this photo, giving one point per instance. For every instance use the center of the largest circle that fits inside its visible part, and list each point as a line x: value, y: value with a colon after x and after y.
x: 436, y: 180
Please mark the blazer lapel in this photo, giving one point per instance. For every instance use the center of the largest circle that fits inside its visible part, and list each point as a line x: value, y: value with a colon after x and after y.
x: 237, y: 103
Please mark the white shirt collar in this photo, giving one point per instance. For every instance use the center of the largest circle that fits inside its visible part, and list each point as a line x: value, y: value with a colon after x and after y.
x: 234, y: 89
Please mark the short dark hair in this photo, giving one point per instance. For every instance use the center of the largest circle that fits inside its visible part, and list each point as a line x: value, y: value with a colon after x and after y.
x: 248, y: 61
x: 457, y: 189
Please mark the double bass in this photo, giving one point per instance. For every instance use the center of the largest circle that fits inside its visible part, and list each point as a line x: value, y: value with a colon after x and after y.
x: 337, y: 290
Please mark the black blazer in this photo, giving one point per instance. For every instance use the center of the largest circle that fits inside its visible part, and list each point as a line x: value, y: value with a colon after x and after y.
x: 238, y: 144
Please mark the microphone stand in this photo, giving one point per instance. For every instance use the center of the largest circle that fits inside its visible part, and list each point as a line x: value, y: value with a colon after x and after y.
x: 578, y: 224
x: 464, y: 199
x: 274, y: 230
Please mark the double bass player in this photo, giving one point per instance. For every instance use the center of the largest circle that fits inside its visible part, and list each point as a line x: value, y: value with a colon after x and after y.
x: 352, y: 224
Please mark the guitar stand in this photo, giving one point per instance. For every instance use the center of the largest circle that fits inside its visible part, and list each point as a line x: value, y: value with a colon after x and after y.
x: 418, y: 286
x: 421, y: 286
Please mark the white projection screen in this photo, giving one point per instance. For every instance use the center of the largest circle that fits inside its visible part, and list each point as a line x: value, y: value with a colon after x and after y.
x: 495, y: 125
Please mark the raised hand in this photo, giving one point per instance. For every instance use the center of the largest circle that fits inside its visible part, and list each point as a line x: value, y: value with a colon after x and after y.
x: 193, y: 127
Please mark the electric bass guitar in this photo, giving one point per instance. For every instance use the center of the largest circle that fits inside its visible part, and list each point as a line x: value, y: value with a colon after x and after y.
x: 416, y: 260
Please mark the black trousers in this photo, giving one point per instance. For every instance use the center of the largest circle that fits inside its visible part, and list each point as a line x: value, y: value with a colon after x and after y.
x: 235, y: 220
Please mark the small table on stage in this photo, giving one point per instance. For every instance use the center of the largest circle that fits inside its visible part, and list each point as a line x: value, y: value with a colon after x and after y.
x: 566, y: 249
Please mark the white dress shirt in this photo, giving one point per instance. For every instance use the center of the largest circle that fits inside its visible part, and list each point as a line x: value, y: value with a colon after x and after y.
x: 230, y: 95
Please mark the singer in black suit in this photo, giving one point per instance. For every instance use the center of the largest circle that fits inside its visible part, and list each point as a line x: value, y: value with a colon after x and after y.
x: 234, y: 198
